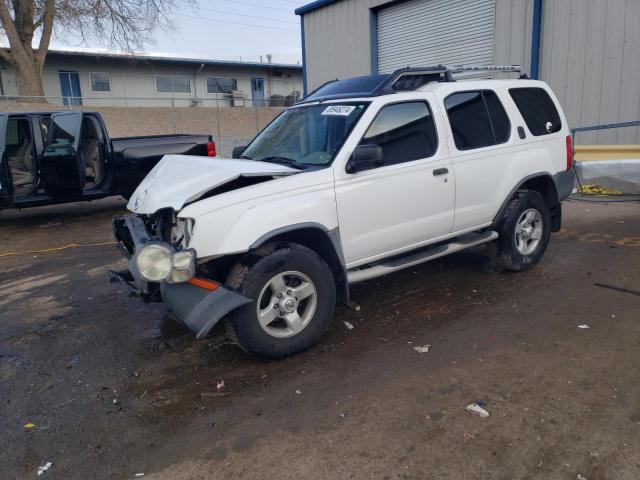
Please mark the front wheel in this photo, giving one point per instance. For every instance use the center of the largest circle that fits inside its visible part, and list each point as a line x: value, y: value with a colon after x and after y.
x: 293, y: 293
x: 524, y: 232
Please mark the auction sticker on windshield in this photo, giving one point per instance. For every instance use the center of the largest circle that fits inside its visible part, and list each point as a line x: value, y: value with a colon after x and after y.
x: 342, y: 110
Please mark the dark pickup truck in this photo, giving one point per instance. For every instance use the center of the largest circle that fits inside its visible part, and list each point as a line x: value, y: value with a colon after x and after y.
x: 60, y: 157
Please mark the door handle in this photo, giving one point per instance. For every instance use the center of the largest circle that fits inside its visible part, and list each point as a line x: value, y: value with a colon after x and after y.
x: 440, y: 171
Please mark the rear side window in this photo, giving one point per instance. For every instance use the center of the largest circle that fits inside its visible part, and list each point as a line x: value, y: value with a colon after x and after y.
x: 405, y: 131
x: 537, y: 109
x: 477, y: 119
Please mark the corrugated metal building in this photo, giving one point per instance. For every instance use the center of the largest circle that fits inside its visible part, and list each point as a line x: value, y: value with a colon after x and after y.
x: 109, y: 79
x: 587, y: 50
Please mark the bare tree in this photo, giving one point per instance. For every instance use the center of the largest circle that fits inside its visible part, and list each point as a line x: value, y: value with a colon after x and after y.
x: 122, y: 24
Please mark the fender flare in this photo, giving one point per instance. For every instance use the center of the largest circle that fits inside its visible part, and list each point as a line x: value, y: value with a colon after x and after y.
x: 331, y: 237
x: 553, y: 202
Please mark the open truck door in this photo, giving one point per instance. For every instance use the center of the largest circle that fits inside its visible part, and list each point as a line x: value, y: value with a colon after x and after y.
x: 6, y: 181
x: 62, y: 166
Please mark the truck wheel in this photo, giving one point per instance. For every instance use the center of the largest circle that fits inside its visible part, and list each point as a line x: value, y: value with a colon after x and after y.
x: 524, y: 232
x: 294, y: 296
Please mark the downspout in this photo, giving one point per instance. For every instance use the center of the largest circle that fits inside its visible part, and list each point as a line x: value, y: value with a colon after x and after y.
x: 373, y: 40
x: 536, y: 38
x: 304, y: 59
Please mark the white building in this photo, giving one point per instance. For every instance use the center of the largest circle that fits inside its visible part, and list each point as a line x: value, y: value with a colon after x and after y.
x: 100, y: 79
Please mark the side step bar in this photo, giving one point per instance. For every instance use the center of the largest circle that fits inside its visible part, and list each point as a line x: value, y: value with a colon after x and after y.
x: 463, y: 242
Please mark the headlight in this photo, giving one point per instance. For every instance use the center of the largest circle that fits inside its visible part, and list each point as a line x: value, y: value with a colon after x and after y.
x: 158, y: 262
x: 154, y: 262
x: 184, y: 266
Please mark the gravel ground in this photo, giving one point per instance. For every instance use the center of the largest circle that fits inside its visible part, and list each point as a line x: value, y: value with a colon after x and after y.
x: 114, y: 388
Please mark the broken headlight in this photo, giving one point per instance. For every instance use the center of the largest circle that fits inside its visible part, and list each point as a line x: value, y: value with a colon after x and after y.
x: 184, y: 266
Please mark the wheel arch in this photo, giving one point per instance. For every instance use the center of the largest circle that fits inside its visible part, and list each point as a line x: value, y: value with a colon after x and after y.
x: 543, y: 184
x: 321, y: 240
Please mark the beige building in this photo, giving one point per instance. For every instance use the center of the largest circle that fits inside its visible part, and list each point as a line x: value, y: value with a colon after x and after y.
x: 587, y: 50
x: 98, y: 79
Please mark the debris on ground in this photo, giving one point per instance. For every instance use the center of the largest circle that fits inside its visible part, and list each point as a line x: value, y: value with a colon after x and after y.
x: 139, y: 474
x: 299, y: 392
x: 476, y: 409
x: 599, y: 190
x: 44, y: 468
x: 220, y: 386
x: 349, y: 325
x: 29, y: 425
x: 423, y: 349
x: 619, y: 289
x: 580, y: 477
x: 584, y: 326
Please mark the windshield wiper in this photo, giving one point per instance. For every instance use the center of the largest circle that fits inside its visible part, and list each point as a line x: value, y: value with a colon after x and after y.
x: 284, y: 161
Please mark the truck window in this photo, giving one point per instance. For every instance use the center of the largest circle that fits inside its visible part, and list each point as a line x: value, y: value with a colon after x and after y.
x: 477, y: 119
x: 405, y: 131
x: 61, y: 131
x: 537, y: 109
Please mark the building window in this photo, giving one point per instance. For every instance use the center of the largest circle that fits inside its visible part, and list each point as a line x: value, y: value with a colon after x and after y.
x: 405, y: 131
x: 221, y: 85
x: 100, y: 82
x: 477, y: 119
x: 537, y: 109
x: 173, y: 84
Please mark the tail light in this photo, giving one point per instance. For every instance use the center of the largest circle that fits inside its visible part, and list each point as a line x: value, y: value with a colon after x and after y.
x: 211, y: 149
x: 569, y: 153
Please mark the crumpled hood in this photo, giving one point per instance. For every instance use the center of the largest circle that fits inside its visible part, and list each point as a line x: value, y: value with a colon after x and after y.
x: 179, y: 179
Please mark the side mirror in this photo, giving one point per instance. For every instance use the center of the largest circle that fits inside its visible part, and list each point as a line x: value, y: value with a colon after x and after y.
x: 238, y: 151
x: 365, y: 157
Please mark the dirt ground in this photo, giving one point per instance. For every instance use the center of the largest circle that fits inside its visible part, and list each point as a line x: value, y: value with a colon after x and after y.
x: 114, y: 388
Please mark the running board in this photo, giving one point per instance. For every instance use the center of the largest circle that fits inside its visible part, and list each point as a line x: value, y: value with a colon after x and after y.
x: 463, y: 242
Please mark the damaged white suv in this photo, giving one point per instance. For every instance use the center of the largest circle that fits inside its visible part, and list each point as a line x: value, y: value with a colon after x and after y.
x: 364, y: 177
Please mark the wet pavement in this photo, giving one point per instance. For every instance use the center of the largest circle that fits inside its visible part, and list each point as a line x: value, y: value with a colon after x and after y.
x: 114, y: 388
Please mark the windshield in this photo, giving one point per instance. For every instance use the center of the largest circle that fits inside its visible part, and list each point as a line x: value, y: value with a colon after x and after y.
x: 308, y: 135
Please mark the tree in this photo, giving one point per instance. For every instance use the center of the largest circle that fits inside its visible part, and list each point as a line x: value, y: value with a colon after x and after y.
x: 123, y: 24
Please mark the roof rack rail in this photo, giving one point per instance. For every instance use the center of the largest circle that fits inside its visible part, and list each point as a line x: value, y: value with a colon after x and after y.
x: 402, y: 80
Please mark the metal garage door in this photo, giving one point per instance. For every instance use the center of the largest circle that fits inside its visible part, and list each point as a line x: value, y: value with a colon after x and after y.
x: 429, y: 32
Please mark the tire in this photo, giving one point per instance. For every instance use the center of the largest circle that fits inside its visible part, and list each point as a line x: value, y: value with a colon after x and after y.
x: 518, y: 249
x: 300, y: 316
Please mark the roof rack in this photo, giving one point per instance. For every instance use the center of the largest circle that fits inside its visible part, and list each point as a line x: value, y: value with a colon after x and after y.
x: 402, y: 80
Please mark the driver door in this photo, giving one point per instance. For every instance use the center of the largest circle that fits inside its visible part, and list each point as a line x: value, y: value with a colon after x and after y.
x: 6, y: 182
x: 63, y: 168
x: 406, y: 201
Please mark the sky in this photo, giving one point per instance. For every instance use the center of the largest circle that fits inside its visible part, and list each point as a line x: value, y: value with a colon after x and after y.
x: 229, y: 30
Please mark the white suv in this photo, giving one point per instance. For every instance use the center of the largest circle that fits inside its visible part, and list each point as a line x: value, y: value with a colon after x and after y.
x: 364, y: 177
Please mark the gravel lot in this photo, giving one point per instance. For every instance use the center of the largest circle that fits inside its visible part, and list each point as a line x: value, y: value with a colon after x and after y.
x: 113, y: 388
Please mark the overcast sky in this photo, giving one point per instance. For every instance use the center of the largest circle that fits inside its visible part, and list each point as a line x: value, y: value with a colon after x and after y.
x: 231, y: 30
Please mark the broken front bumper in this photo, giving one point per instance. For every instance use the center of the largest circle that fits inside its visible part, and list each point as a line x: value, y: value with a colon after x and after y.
x: 198, y: 304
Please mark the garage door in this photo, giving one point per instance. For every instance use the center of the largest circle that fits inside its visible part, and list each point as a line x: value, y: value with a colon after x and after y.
x: 419, y: 33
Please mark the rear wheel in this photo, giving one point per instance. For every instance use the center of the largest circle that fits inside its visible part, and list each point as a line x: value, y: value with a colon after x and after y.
x: 293, y: 293
x: 524, y: 232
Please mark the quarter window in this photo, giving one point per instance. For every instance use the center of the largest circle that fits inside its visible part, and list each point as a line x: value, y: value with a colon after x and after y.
x: 405, y: 131
x: 100, y: 82
x: 173, y: 84
x: 537, y: 109
x: 477, y: 119
x: 221, y: 85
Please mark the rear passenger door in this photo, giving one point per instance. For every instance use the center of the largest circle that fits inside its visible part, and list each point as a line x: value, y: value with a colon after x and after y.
x: 63, y: 168
x: 484, y: 153
x: 406, y: 201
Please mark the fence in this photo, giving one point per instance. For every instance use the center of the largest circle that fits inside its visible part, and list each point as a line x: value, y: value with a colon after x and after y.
x: 229, y: 125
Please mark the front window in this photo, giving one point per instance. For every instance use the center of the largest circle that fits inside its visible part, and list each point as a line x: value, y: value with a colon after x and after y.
x: 307, y: 135
x: 221, y: 85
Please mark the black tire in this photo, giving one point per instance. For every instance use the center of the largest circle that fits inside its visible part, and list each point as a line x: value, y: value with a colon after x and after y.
x: 253, y: 274
x: 504, y: 251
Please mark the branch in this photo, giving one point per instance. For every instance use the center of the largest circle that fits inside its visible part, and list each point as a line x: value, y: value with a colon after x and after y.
x: 47, y: 29
x: 10, y: 30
